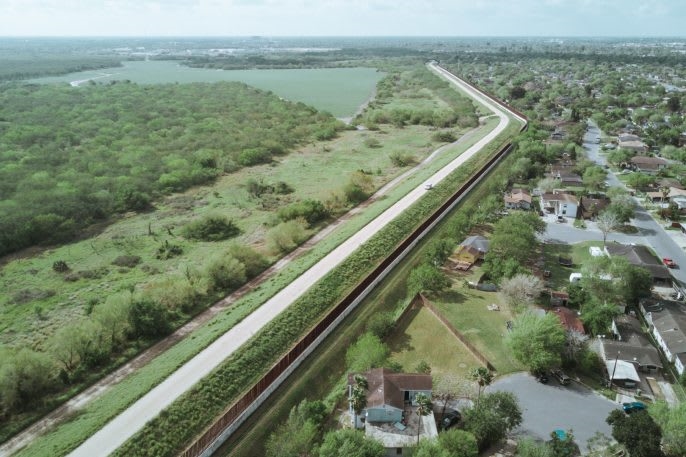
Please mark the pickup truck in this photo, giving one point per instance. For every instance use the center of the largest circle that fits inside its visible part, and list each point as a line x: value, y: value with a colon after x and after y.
x: 669, y: 262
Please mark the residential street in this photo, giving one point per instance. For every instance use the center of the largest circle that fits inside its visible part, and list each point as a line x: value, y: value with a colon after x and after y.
x: 546, y: 407
x: 124, y: 426
x: 665, y: 243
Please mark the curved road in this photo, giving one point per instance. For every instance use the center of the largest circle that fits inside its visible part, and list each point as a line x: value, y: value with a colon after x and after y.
x: 124, y: 426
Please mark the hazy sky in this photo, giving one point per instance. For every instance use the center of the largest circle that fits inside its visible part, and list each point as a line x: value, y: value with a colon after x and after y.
x: 342, y: 17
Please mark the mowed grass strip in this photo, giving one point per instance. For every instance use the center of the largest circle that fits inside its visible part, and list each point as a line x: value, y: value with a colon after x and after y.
x: 421, y: 336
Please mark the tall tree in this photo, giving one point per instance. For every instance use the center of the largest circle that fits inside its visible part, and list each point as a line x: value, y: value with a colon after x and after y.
x: 358, y: 396
x: 424, y: 408
x: 537, y: 341
x: 497, y: 414
x: 638, y: 432
x: 521, y: 289
x: 483, y: 377
x: 607, y: 222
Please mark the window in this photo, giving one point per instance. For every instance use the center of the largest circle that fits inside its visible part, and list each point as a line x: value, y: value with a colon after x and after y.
x: 398, y: 451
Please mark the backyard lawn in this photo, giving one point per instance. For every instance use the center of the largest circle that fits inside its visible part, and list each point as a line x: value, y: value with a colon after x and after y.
x: 467, y: 310
x: 420, y: 336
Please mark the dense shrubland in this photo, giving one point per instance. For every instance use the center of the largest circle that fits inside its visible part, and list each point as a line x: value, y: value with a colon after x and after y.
x: 407, y: 98
x: 71, y: 157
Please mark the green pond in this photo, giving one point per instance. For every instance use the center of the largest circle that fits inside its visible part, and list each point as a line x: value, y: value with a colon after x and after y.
x: 340, y: 91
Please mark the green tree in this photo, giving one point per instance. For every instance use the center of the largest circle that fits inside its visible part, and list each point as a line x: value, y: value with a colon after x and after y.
x: 594, y: 178
x: 381, y: 324
x: 537, y: 341
x: 513, y: 239
x: 427, y: 278
x: 597, y: 316
x: 497, y: 414
x: 358, y: 396
x: 483, y: 377
x: 623, y: 207
x: 113, y: 316
x: 350, y: 443
x: 368, y: 352
x: 424, y: 408
x: 459, y: 443
x: 149, y: 319
x: 638, y: 432
x: 430, y: 448
x: 24, y: 378
x: 296, y: 437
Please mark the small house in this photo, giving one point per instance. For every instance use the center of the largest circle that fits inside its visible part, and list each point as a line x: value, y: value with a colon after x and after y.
x: 518, y: 199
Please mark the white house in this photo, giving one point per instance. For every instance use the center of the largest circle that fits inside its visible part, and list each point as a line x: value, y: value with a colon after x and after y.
x: 560, y: 204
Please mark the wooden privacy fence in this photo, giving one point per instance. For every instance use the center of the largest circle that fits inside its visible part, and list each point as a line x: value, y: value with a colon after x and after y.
x: 234, y: 416
x: 475, y: 352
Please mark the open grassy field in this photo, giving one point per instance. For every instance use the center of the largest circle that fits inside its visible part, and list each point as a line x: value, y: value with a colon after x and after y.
x: 420, y: 336
x: 340, y: 91
x: 315, y: 171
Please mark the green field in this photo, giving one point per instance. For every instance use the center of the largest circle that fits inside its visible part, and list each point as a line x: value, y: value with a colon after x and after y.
x: 340, y: 91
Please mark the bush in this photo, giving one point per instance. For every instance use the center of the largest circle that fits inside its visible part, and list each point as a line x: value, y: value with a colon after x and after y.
x: 254, y: 262
x: 168, y: 251
x: 254, y: 156
x: 60, y: 266
x: 211, y: 228
x: 287, y: 235
x: 311, y: 210
x: 401, y: 159
x: 225, y: 273
x: 149, y: 319
x: 381, y: 324
x: 444, y: 136
x: 128, y: 261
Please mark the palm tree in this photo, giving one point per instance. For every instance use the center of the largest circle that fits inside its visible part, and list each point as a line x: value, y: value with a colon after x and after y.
x: 358, y: 396
x: 483, y: 378
x: 424, y: 408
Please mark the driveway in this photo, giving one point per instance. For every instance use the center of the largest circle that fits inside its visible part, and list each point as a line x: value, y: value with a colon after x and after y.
x: 547, y: 407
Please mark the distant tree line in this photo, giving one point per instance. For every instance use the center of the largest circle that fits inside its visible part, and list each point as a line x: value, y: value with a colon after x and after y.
x: 16, y: 68
x: 70, y: 157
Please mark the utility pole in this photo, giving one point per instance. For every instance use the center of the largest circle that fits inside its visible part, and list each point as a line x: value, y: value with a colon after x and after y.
x: 614, y: 369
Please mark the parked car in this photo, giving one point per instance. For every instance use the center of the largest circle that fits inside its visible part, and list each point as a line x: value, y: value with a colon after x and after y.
x: 428, y: 186
x: 561, y: 377
x: 450, y: 419
x: 633, y: 407
x: 669, y: 262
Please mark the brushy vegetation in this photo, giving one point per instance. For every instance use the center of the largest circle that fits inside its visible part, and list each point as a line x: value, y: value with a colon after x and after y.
x: 74, y: 157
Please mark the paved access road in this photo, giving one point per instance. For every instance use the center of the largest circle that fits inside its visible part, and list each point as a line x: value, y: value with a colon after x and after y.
x: 546, y: 407
x: 124, y: 426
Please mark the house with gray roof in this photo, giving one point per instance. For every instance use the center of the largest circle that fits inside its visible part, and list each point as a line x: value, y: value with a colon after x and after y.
x: 667, y: 322
x: 641, y: 256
